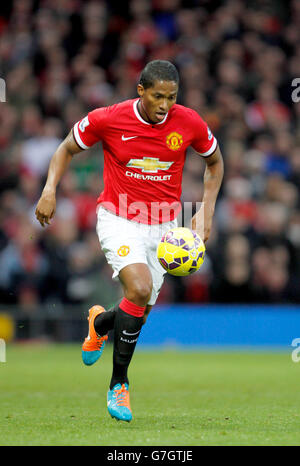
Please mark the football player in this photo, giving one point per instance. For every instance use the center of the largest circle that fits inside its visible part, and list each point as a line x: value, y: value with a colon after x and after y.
x: 144, y: 142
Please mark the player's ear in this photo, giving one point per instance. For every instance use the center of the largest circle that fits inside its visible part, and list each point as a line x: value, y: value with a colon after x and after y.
x: 140, y: 90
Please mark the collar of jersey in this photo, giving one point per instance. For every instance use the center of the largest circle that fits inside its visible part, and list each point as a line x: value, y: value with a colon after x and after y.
x: 141, y: 119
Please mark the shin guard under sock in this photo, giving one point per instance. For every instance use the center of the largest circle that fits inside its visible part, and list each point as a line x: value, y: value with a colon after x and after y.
x: 128, y: 324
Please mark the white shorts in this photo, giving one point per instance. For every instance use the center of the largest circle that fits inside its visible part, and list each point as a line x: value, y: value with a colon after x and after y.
x: 126, y: 242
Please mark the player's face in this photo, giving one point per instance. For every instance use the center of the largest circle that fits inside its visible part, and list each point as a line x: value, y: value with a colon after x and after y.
x: 157, y: 100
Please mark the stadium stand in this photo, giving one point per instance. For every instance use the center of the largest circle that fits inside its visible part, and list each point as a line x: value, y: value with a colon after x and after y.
x: 237, y: 61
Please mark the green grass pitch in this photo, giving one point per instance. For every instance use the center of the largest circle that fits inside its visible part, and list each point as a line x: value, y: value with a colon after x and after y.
x: 48, y: 397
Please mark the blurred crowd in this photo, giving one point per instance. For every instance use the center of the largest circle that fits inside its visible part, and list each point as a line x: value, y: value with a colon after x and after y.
x: 237, y: 61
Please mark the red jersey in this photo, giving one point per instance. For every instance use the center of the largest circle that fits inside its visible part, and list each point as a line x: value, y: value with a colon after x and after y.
x: 143, y: 162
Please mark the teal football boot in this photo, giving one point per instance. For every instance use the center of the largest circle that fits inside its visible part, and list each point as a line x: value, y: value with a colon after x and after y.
x: 118, y: 404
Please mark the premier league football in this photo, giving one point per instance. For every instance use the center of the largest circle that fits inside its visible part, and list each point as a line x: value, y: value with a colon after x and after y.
x: 181, y: 251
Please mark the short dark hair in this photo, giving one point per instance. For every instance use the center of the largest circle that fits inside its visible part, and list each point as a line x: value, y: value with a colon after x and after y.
x: 158, y: 70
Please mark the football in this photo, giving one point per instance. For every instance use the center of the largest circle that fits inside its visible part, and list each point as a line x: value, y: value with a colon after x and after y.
x: 181, y: 251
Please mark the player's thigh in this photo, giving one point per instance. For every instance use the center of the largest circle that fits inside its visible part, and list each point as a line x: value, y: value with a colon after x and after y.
x: 122, y: 244
x: 158, y: 273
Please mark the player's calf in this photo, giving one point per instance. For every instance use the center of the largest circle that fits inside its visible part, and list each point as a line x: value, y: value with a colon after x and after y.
x: 128, y: 325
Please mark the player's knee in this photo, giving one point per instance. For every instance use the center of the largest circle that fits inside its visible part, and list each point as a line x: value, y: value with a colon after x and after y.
x: 139, y: 293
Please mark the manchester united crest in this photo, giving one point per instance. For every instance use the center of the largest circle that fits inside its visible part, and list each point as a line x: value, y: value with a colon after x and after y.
x: 123, y: 251
x: 174, y: 141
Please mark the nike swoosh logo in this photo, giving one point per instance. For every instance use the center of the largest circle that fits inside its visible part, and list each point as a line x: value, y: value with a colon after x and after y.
x: 127, y: 139
x: 130, y: 334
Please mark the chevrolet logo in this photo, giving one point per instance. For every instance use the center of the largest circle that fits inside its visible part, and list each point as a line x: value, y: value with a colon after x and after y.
x: 149, y: 164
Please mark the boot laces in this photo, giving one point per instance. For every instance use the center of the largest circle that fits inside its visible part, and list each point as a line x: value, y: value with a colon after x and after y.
x: 122, y: 396
x: 100, y: 340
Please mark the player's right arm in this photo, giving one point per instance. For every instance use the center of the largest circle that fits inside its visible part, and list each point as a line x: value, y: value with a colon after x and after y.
x: 84, y: 135
x: 59, y: 163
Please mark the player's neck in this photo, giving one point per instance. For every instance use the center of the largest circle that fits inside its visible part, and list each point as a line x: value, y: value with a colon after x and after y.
x: 142, y: 111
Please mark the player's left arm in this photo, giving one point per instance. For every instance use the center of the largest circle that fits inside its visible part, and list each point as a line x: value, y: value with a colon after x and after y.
x: 213, y: 175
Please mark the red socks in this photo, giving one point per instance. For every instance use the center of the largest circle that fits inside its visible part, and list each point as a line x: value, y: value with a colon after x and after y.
x: 131, y: 308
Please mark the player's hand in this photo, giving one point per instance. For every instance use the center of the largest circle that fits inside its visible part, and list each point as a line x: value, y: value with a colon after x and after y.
x: 45, y: 208
x: 202, y: 223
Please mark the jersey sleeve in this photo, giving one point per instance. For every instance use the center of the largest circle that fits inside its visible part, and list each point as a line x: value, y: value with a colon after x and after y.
x: 90, y: 129
x: 204, y: 141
